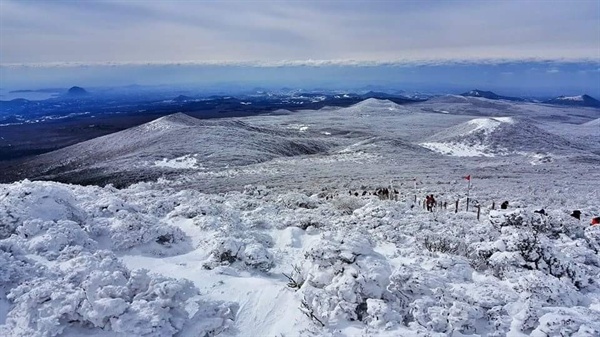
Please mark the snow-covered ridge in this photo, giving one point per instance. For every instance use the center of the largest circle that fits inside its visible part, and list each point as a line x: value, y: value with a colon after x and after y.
x: 373, y: 106
x: 595, y: 122
x: 488, y: 125
x: 496, y: 136
x: 571, y: 98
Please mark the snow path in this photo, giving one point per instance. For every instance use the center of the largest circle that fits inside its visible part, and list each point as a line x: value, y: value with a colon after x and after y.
x: 267, y: 307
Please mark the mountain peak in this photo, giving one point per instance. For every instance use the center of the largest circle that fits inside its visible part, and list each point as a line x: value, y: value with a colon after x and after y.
x: 584, y: 100
x: 77, y: 91
x: 481, y: 93
x: 490, y: 95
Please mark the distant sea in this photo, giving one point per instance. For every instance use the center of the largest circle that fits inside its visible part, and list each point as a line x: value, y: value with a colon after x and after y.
x: 6, y: 95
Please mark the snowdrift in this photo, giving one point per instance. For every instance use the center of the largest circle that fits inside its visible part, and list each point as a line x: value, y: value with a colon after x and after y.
x: 496, y: 136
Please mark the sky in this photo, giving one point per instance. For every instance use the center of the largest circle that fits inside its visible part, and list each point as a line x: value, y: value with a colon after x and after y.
x: 529, y: 45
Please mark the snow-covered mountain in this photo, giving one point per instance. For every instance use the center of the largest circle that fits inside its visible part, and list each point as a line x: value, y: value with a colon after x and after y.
x: 372, y: 105
x: 490, y: 95
x: 595, y: 122
x: 167, y: 145
x: 496, y: 136
x: 311, y: 223
x: 581, y: 100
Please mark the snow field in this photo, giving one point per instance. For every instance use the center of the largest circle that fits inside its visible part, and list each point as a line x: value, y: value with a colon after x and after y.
x: 145, y: 261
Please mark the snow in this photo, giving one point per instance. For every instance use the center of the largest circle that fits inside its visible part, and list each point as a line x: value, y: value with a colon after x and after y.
x: 571, y: 98
x: 459, y: 150
x: 497, y: 136
x: 183, y: 162
x: 296, y: 244
x: 361, y: 264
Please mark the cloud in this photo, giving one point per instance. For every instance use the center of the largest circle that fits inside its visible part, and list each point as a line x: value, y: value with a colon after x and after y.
x: 318, y: 63
x: 281, y: 33
x: 553, y: 71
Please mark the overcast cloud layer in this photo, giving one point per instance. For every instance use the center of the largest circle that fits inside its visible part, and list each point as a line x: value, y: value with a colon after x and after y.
x: 273, y: 31
x: 529, y: 46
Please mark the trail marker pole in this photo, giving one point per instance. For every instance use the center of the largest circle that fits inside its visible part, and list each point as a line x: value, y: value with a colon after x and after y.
x: 468, y: 190
x: 415, y: 190
x: 456, y: 209
x: 478, y: 211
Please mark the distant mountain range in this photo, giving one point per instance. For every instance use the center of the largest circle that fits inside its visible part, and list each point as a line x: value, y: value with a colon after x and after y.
x: 581, y: 100
x: 491, y: 95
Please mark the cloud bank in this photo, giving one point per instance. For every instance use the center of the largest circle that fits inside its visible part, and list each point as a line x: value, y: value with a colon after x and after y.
x: 304, y: 33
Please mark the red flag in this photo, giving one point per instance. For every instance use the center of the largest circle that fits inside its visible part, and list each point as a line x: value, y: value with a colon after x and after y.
x: 468, y: 177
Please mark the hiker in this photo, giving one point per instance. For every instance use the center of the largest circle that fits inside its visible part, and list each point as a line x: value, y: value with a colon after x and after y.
x: 595, y: 221
x: 576, y: 214
x: 445, y: 205
x: 504, y: 205
x: 430, y: 202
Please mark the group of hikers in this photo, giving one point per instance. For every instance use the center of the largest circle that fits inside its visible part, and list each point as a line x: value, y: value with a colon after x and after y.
x: 430, y: 202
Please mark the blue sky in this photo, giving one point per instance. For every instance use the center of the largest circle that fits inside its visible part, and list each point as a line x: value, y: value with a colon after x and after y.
x: 529, y: 46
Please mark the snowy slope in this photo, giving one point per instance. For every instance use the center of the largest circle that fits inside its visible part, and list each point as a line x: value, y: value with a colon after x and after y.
x: 579, y: 100
x: 203, y: 250
x: 595, y: 122
x: 373, y: 105
x: 496, y: 136
x: 215, y: 264
x: 169, y: 144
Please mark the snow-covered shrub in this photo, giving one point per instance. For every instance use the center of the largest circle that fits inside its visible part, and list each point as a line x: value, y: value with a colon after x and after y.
x: 129, y: 230
x: 295, y: 200
x: 444, y: 244
x: 30, y: 200
x: 567, y: 322
x: 523, y: 244
x: 228, y: 250
x: 301, y: 218
x: 49, y: 238
x: 95, y: 291
x: 15, y: 266
x: 347, y: 204
x: 592, y: 237
x: 342, y: 273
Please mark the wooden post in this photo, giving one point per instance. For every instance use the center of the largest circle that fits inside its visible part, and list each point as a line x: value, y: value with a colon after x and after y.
x: 468, y: 204
x: 478, y: 211
x: 456, y: 209
x: 493, y: 205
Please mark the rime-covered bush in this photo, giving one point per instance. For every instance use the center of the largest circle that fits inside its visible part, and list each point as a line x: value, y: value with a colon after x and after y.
x: 295, y: 200
x: 347, y: 204
x: 234, y: 251
x: 342, y: 273
x: 129, y: 230
x: 95, y: 291
x: 444, y: 244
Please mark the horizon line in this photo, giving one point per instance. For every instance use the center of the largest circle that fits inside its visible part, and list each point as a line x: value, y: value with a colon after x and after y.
x: 309, y: 63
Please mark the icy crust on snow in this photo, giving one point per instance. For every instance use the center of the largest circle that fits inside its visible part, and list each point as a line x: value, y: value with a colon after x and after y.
x: 161, y: 262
